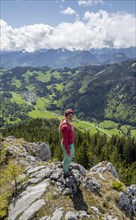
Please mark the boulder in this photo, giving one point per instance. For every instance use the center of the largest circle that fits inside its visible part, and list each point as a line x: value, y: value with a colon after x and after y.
x: 92, y: 184
x: 127, y: 201
x: 40, y: 150
x: 103, y: 167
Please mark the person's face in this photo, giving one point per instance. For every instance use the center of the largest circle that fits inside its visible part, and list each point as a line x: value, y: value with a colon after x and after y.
x: 70, y: 116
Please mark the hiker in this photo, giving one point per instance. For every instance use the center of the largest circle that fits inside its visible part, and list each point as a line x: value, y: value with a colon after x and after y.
x: 67, y: 142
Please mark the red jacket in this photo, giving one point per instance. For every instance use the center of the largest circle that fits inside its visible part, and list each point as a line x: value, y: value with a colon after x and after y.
x: 67, y: 135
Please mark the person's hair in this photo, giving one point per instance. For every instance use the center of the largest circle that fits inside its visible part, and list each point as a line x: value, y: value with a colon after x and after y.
x: 61, y: 122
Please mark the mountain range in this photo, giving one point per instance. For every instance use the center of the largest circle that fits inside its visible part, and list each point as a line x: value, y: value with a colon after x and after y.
x: 60, y: 58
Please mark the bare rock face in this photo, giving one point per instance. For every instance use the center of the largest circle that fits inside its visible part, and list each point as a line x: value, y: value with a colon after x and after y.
x: 103, y: 167
x: 30, y: 152
x: 27, y: 202
x: 127, y: 201
x: 39, y: 150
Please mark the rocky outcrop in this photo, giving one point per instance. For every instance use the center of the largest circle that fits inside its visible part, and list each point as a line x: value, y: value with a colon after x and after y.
x: 127, y: 201
x: 104, y: 166
x: 43, y: 193
x: 30, y: 152
x: 39, y: 150
x: 29, y: 202
x: 49, y: 183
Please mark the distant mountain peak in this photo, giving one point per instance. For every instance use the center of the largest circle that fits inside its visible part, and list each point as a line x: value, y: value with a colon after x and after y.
x: 61, y: 57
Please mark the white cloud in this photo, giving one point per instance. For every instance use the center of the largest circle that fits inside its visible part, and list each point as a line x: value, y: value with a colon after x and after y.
x: 96, y: 30
x: 29, y: 38
x: 68, y: 11
x: 89, y: 2
x: 111, y: 30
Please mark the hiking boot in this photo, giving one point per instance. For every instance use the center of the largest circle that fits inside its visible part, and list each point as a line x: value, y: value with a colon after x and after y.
x: 67, y: 174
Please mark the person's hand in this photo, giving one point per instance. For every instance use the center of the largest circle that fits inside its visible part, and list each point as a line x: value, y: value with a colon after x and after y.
x: 68, y: 153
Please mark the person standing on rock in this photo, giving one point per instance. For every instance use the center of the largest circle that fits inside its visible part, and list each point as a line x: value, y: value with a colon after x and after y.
x: 67, y: 142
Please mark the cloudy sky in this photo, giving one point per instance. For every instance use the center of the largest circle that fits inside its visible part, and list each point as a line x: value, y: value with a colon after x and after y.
x: 73, y: 24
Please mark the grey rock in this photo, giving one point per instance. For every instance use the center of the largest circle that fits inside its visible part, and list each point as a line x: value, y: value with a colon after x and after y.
x: 110, y: 217
x: 44, y: 173
x: 56, y: 175
x: 111, y: 168
x: 57, y: 215
x: 61, y: 180
x: 44, y: 152
x: 39, y: 150
x: 77, y: 175
x: 83, y: 214
x: 96, y: 210
x: 39, y: 175
x: 30, y: 212
x: 23, y: 185
x: 34, y: 180
x: 76, y: 215
x: 30, y: 158
x: 92, y: 184
x: 71, y: 216
x: 127, y: 201
x: 9, y: 138
x: 132, y: 190
x: 55, y: 195
x: 52, y: 182
x: 31, y: 170
x: 66, y: 191
x: 45, y: 218
x: 104, y: 166
x: 80, y: 168
x: 27, y: 197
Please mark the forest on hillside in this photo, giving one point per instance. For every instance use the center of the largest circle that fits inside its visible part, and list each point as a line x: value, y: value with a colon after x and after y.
x: 105, y: 92
x: 90, y: 149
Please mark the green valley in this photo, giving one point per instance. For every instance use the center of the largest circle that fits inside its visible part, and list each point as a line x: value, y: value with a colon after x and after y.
x: 103, y: 97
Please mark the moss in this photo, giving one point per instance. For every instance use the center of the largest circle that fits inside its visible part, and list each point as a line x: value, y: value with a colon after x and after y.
x: 117, y: 186
x: 3, y: 205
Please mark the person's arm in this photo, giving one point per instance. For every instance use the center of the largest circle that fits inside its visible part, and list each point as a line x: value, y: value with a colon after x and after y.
x: 65, y: 138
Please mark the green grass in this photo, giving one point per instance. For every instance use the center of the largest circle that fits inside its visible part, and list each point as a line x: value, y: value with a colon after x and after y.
x: 31, y: 87
x: 44, y: 77
x: 59, y: 86
x: 114, y: 131
x: 40, y: 104
x: 125, y: 129
x: 133, y: 133
x: 82, y: 125
x: 17, y: 99
x: 16, y: 82
x: 38, y: 114
x: 107, y: 124
x: 110, y: 127
x: 27, y: 74
x: 56, y: 74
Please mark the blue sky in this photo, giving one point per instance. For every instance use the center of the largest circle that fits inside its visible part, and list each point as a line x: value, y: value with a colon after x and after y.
x: 35, y: 24
x: 24, y: 12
